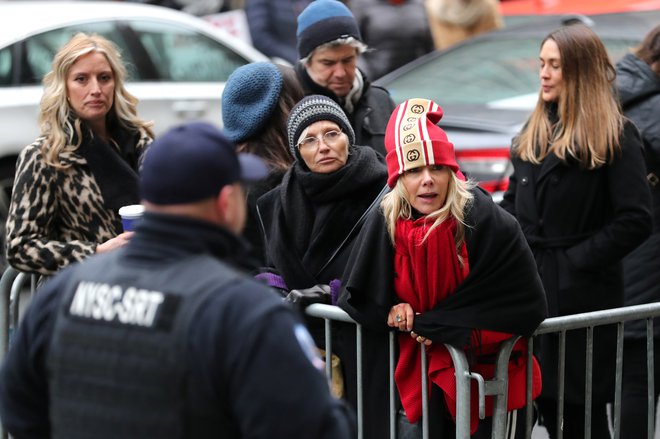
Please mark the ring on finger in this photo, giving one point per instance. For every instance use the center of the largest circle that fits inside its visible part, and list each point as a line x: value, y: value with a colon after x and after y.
x: 420, y: 339
x: 398, y: 318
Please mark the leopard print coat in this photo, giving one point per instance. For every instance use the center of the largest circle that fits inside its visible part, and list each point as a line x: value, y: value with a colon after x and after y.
x: 57, y: 216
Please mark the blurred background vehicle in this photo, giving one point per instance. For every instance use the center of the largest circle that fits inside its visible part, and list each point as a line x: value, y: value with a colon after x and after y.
x: 178, y: 65
x: 488, y: 85
x: 515, y: 11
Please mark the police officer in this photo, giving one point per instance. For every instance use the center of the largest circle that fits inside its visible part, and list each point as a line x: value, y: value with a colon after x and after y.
x: 165, y: 338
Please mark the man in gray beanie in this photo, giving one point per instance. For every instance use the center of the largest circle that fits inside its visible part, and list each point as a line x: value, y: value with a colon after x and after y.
x: 329, y: 45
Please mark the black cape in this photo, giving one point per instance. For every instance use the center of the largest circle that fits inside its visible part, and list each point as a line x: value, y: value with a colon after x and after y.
x: 503, y: 291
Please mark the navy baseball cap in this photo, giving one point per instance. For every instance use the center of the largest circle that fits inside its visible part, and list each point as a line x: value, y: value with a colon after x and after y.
x: 192, y: 162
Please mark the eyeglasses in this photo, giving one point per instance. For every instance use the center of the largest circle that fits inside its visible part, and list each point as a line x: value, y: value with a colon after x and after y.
x: 330, y: 138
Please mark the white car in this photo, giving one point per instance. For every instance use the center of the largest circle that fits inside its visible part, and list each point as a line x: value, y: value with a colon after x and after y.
x: 177, y: 63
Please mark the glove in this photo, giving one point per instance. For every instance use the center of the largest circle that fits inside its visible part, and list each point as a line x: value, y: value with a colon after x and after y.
x: 305, y: 297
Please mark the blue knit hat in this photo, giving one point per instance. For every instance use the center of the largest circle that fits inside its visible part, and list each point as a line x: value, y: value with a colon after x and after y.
x: 323, y: 21
x: 249, y: 99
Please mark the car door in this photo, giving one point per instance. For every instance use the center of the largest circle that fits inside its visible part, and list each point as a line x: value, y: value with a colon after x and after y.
x: 190, y: 71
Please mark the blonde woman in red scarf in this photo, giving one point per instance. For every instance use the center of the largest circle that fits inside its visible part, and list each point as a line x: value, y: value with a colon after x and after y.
x: 439, y: 262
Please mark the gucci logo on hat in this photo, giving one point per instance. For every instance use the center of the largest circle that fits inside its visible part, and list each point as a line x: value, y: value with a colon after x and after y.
x: 413, y: 139
x: 417, y: 109
x: 412, y: 155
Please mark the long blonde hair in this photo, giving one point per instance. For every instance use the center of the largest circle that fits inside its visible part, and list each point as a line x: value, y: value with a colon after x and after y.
x: 590, y: 120
x: 396, y: 205
x: 58, y: 123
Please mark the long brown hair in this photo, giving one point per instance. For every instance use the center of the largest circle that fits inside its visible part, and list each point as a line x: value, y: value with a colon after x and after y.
x: 649, y: 50
x: 590, y: 120
x: 272, y: 143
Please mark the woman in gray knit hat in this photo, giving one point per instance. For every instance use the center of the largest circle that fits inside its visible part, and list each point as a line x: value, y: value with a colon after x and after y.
x: 309, y: 222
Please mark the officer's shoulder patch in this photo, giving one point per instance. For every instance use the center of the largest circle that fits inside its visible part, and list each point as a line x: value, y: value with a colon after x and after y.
x: 307, y: 344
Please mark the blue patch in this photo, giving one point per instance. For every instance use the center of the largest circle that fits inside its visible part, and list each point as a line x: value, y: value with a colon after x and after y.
x: 309, y: 348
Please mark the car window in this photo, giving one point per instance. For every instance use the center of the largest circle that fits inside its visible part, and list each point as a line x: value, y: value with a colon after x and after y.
x: 5, y: 66
x: 40, y: 49
x: 180, y: 54
x: 482, y: 72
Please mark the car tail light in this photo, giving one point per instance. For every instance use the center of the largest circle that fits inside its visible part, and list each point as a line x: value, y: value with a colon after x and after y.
x: 489, y: 167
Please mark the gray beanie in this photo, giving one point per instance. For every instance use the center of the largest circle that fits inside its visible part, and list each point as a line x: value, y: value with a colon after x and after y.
x: 312, y: 109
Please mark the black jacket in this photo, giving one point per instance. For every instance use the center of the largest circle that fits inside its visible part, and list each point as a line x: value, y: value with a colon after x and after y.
x: 639, y: 92
x: 246, y: 348
x: 580, y: 224
x: 370, y: 116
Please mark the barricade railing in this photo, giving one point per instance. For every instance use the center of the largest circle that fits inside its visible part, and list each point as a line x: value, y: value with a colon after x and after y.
x: 588, y: 321
x: 497, y: 386
x: 13, y: 284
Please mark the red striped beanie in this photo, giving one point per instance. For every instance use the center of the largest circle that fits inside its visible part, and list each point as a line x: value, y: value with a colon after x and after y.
x: 413, y: 139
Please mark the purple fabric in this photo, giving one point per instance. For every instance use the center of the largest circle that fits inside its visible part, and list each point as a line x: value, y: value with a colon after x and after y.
x: 335, y: 287
x: 272, y: 280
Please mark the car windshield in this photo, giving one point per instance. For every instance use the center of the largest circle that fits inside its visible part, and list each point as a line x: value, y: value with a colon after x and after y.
x: 495, y: 73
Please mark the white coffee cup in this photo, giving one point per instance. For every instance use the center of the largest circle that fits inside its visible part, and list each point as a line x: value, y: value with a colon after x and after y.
x: 130, y: 214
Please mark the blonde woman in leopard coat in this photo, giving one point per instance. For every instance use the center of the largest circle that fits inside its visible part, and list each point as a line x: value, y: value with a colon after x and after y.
x: 72, y: 180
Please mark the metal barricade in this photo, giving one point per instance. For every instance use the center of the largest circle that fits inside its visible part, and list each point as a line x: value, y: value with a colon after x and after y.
x: 588, y: 321
x: 497, y: 387
x: 12, y: 284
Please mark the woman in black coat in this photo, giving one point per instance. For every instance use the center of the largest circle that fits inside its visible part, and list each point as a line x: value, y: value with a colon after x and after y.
x: 580, y: 194
x: 310, y: 221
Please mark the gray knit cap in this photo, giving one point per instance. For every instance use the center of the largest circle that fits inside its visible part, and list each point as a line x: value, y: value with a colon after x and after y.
x: 312, y: 109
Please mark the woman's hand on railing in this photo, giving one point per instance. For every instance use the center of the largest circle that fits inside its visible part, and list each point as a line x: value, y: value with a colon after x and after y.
x: 401, y: 316
x: 420, y: 339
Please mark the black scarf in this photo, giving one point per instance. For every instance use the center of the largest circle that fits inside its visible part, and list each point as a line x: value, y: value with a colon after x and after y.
x: 315, y: 212
x: 115, y: 170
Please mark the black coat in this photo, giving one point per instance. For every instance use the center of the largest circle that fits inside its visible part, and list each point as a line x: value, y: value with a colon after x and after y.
x: 304, y: 221
x: 580, y: 224
x: 252, y: 231
x: 639, y: 91
x: 502, y: 292
x: 370, y: 116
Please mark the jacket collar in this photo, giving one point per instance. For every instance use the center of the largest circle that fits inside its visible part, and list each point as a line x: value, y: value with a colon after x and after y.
x: 160, y: 238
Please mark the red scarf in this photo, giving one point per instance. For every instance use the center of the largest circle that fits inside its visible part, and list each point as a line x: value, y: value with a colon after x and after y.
x: 427, y: 272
